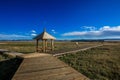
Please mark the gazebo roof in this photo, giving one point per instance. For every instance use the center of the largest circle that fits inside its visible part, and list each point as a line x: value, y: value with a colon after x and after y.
x: 44, y: 35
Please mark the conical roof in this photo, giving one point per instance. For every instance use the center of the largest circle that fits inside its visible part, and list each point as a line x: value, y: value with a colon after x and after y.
x: 44, y: 35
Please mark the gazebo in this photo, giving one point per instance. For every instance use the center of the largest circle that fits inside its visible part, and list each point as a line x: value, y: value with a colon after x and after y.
x: 44, y: 36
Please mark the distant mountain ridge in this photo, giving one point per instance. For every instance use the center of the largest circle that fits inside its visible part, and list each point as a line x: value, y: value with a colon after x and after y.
x: 73, y: 40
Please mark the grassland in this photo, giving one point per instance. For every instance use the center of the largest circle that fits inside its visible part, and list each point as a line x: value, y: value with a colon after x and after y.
x: 8, y: 66
x: 101, y: 63
x: 29, y: 47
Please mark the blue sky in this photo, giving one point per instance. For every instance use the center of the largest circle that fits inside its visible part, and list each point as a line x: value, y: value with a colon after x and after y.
x: 64, y: 19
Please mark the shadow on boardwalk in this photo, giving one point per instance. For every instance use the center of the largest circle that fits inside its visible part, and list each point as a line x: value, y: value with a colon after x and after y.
x: 8, y: 68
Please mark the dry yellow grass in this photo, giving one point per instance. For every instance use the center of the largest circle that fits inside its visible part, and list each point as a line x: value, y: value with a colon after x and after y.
x: 101, y: 63
x: 29, y: 47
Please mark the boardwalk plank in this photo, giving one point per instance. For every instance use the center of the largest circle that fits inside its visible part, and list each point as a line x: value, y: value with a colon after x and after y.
x: 45, y: 67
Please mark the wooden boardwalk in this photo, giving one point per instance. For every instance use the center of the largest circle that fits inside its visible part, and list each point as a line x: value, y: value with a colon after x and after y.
x: 41, y: 66
x: 83, y: 49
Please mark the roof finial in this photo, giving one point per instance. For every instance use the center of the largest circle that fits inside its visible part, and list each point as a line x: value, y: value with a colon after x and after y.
x: 44, y: 29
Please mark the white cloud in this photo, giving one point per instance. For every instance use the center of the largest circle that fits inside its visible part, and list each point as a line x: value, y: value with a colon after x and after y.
x: 103, y: 32
x: 53, y: 31
x: 90, y: 28
x: 108, y: 28
x: 75, y: 33
x: 33, y: 34
x: 33, y: 31
x: 13, y: 37
x: 20, y: 36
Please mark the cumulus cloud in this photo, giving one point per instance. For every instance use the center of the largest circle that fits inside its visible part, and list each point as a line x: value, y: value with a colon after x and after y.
x: 13, y: 37
x: 19, y: 36
x: 53, y: 31
x: 103, y: 32
x: 90, y: 28
x: 33, y: 31
x: 33, y: 34
x: 108, y: 28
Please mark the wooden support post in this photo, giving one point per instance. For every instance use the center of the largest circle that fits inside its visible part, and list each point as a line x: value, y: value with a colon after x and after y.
x: 37, y: 45
x: 52, y: 45
x: 45, y: 45
x: 43, y: 41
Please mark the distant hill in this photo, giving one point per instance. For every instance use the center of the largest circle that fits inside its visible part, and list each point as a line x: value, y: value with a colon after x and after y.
x: 75, y: 40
